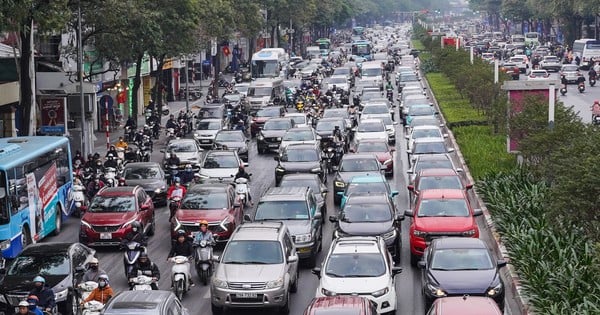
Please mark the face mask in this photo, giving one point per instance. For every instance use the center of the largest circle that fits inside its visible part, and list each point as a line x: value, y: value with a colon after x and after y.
x: 177, y: 184
x: 101, y: 284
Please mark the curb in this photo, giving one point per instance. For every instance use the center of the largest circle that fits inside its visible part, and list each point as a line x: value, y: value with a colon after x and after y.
x: 510, y: 273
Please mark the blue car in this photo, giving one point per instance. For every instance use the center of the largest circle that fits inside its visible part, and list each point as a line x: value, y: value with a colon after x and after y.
x: 371, y: 184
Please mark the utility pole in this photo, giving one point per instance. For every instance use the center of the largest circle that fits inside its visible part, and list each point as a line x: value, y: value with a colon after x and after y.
x: 80, y: 67
x: 187, y: 87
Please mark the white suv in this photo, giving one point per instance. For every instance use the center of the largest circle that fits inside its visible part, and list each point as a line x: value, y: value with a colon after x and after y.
x: 359, y: 265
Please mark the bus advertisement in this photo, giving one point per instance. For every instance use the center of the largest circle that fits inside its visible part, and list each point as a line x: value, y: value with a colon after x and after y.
x: 586, y: 49
x: 362, y: 49
x: 324, y: 46
x: 35, y: 182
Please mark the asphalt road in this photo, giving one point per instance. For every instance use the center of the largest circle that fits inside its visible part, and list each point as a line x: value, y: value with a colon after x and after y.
x: 408, y: 283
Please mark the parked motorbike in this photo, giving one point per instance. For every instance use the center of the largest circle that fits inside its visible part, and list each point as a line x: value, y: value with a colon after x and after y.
x: 131, y: 255
x: 203, y: 261
x: 142, y: 283
x: 179, y: 275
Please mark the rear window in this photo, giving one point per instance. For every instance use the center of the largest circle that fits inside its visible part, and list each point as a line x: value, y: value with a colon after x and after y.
x: 134, y: 305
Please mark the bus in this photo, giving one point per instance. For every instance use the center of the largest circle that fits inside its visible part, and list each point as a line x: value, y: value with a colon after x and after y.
x: 268, y: 63
x: 35, y: 182
x: 358, y: 30
x: 324, y: 45
x: 532, y: 38
x: 362, y: 49
x: 586, y: 49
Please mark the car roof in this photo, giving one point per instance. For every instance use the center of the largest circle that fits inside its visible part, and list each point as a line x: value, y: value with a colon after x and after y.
x: 442, y: 194
x: 46, y: 248
x: 339, y: 302
x: 300, y: 146
x: 352, y: 245
x: 459, y: 242
x: 467, y: 305
x: 117, y: 191
x: 209, y: 186
x: 300, y: 129
x: 300, y: 176
x: 368, y: 179
x: 358, y: 156
x: 137, y: 300
x: 370, y: 120
x: 260, y: 231
x: 290, y: 193
x: 437, y: 172
x: 182, y: 140
x: 280, y: 118
x: 429, y: 140
x: 433, y: 157
x: 370, y: 198
x: 294, y: 114
x: 220, y: 152
x: 426, y: 127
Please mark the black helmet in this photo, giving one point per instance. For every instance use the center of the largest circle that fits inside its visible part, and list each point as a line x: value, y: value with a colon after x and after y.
x: 144, y: 255
x: 136, y: 226
x: 181, y: 233
x: 336, y: 127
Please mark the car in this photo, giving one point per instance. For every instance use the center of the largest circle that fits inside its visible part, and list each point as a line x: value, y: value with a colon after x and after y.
x: 412, y: 111
x: 153, y: 302
x: 341, y: 305
x: 371, y: 129
x: 359, y: 266
x: 427, y: 161
x: 206, y: 131
x: 313, y: 181
x: 220, y: 164
x: 511, y: 69
x: 148, y: 175
x: 537, y: 74
x: 61, y: 265
x: 233, y: 140
x: 299, y: 158
x: 488, y: 57
x: 366, y: 184
x: 423, y: 121
x: 214, y: 111
x: 187, y: 150
x: 381, y: 149
x: 299, y: 119
x: 404, y: 78
x: 464, y: 305
x: 298, y: 209
x: 571, y: 73
x: 213, y: 202
x: 370, y: 215
x: 419, y: 132
x: 390, y: 125
x: 233, y: 100
x: 270, y: 134
x: 428, y: 146
x: 437, y: 178
x: 440, y: 213
x: 521, y: 61
x: 262, y: 115
x: 111, y: 212
x: 408, y: 100
x: 461, y: 266
x: 340, y: 82
x: 258, y: 269
x: 550, y: 63
x: 353, y: 165
x: 300, y: 135
x: 242, y: 88
x: 326, y: 126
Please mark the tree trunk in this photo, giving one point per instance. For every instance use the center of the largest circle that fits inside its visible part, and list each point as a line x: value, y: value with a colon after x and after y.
x: 25, y: 82
x: 137, y: 80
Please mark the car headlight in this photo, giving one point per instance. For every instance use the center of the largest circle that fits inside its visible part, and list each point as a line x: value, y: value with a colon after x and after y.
x: 389, y: 235
x: 280, y: 169
x: 303, y: 238
x: 470, y: 232
x: 435, y: 291
x: 327, y: 292
x: 61, y: 295
x: 4, y: 245
x: 418, y: 233
x: 339, y: 184
x: 158, y: 190
x: 380, y: 292
x: 128, y: 223
x: 315, y: 170
x: 196, y: 135
x: 274, y: 283
x: 261, y: 137
x: 495, y: 290
x: 278, y: 139
x: 219, y: 283
x: 77, y: 204
x: 84, y: 223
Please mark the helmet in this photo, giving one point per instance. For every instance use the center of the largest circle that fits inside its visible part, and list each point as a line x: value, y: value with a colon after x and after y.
x: 336, y: 127
x: 103, y: 277
x: 177, y: 180
x: 203, y: 222
x: 136, y: 225
x: 24, y: 303
x: 596, y: 102
x: 188, y: 167
x: 181, y: 233
x: 110, y: 155
x: 94, y: 260
x: 39, y: 279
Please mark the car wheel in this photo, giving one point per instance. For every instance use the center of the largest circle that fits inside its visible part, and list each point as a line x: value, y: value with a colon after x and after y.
x: 25, y: 237
x: 294, y: 286
x: 285, y: 309
x: 57, y: 221
x: 152, y: 227
x: 216, y: 309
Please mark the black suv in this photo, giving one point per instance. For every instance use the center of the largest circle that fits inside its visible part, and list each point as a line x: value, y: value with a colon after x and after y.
x: 299, y: 158
x: 298, y: 209
x: 269, y: 136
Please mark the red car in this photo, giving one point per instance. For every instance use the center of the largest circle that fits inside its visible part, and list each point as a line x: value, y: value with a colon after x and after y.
x: 341, y: 305
x: 262, y: 115
x: 464, y: 305
x: 111, y: 212
x: 437, y: 178
x: 381, y: 149
x: 439, y: 213
x: 213, y: 203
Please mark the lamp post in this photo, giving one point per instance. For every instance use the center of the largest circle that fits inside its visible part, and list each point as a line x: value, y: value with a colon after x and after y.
x: 187, y: 87
x: 80, y: 67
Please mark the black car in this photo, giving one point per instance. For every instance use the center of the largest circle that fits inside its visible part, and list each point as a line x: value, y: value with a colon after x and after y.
x: 299, y: 158
x: 270, y: 134
x: 233, y: 140
x: 354, y: 165
x: 325, y: 127
x: 61, y: 265
x: 337, y: 113
x: 457, y: 266
x: 370, y: 215
x: 308, y: 180
x: 150, y: 176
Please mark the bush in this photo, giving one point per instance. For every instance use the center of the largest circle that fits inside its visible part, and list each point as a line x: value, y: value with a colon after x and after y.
x: 454, y: 108
x: 416, y: 44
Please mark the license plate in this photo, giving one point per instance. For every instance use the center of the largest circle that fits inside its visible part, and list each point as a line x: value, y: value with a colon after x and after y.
x: 105, y: 236
x: 246, y: 295
x: 273, y: 145
x: 304, y: 249
x: 204, y: 141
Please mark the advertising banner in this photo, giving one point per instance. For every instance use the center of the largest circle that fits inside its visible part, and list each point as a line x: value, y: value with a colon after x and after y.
x: 53, y: 115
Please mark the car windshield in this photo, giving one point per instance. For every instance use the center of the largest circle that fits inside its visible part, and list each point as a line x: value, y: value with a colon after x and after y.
x: 461, y: 259
x: 294, y: 182
x: 216, y: 112
x: 209, y: 125
x: 359, y: 165
x: 47, y: 264
x: 295, y: 135
x: 304, y: 155
x: 429, y: 147
x: 516, y: 59
x: 424, y: 121
x: 299, y: 120
x: 443, y: 208
x: 230, y: 137
x: 370, y: 95
x: 376, y: 212
x: 221, y: 161
x: 112, y: 204
x: 371, y: 72
x: 570, y: 68
x: 150, y: 172
x: 366, y: 188
x: 331, y: 113
x: 328, y: 125
x: 375, y: 109
x: 341, y: 71
x: 371, y: 127
x: 250, y: 252
x: 204, y: 199
x: 282, y: 210
x: 440, y: 182
x: 423, y: 165
x: 259, y: 91
x: 272, y: 124
x: 181, y: 147
x: 421, y: 111
x: 372, y: 147
x: 268, y: 112
x: 355, y: 265
x: 426, y: 133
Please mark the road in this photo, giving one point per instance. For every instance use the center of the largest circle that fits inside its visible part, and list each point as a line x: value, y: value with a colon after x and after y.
x: 408, y: 283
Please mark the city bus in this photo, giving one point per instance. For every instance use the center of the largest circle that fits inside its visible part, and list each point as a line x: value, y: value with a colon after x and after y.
x: 362, y: 49
x: 586, y: 49
x: 324, y: 46
x: 35, y: 181
x: 358, y: 30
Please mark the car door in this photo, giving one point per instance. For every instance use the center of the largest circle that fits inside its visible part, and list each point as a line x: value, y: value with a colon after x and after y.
x: 290, y: 250
x: 316, y: 222
x: 142, y: 200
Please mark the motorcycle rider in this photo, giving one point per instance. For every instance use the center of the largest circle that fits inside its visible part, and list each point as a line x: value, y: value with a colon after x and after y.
x: 188, y: 175
x: 172, y: 123
x: 592, y: 74
x: 90, y: 163
x: 44, y: 294
x: 175, y: 191
x: 241, y: 173
x: 147, y: 268
x: 33, y: 302
x: 121, y: 144
x: 183, y: 247
x: 135, y: 235
x: 112, y: 150
x: 79, y: 158
x: 24, y: 309
x: 102, y: 293
x: 205, y: 234
x: 130, y: 123
x: 389, y: 86
x: 93, y: 272
x: 173, y: 160
x: 94, y: 187
x: 111, y: 161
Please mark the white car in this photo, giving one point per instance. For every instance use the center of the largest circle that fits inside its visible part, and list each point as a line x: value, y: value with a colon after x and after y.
x: 242, y: 88
x: 428, y: 146
x: 340, y: 82
x: 370, y: 129
x: 521, y: 61
x: 304, y: 135
x: 223, y: 164
x: 299, y: 119
x: 538, y: 75
x: 187, y: 150
x: 390, y: 125
x: 207, y: 131
x: 423, y: 132
x: 360, y: 266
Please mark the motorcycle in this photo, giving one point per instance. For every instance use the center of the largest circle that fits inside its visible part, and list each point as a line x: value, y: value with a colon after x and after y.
x: 300, y: 106
x: 131, y: 255
x: 92, y: 308
x: 120, y: 156
x: 85, y: 288
x: 390, y: 95
x: 144, y: 151
x: 581, y: 87
x: 110, y: 177
x: 596, y: 120
x: 170, y: 133
x: 172, y: 171
x: 174, y: 204
x: 241, y: 190
x: 80, y: 202
x: 179, y: 274
x: 203, y: 261
x: 329, y: 156
x: 142, y: 283
x: 129, y: 134
x: 592, y: 81
x: 563, y: 91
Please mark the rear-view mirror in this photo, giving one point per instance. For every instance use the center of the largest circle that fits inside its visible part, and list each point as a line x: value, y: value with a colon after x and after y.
x: 317, y: 272
x: 477, y: 212
x: 408, y: 213
x: 333, y: 219
x: 421, y: 264
x: 501, y: 263
x: 396, y: 270
x: 468, y: 186
x: 247, y: 218
x: 216, y: 258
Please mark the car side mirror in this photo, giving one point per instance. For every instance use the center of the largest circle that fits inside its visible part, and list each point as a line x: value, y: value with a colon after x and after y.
x: 421, y: 264
x: 469, y: 186
x: 247, y: 218
x: 394, y: 193
x: 216, y: 258
x: 293, y: 258
x: 317, y: 272
x: 162, y: 151
x: 318, y: 216
x: 450, y: 150
x: 396, y: 271
x: 409, y: 213
x: 352, y: 150
x: 407, y: 137
x: 501, y: 263
x: 325, y: 190
x: 144, y: 207
x: 445, y: 135
x: 477, y: 212
x: 333, y: 219
x: 409, y: 171
x: 460, y: 170
x: 79, y: 270
x: 399, y: 217
x: 410, y: 188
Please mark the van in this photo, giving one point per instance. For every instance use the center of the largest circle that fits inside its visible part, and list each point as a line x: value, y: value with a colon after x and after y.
x: 313, y: 52
x: 372, y: 71
x: 264, y: 91
x: 517, y: 39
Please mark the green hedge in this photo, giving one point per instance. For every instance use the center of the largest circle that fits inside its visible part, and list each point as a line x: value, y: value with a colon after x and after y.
x: 416, y: 44
x: 454, y: 108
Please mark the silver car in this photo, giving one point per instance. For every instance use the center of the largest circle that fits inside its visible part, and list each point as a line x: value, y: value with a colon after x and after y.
x: 207, y: 130
x: 258, y: 268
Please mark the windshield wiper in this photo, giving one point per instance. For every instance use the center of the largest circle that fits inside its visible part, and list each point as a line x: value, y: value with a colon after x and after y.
x: 235, y: 262
x: 256, y: 263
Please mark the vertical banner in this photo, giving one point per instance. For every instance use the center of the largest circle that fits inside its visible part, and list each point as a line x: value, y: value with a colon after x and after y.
x: 34, y: 214
x: 53, y: 115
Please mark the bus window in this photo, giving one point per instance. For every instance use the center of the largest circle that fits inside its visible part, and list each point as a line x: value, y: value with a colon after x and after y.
x: 4, y: 209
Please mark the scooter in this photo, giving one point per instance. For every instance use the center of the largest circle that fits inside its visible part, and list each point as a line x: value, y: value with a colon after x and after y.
x: 110, y: 177
x: 92, y: 308
x: 592, y: 81
x: 241, y: 190
x: 174, y: 204
x: 581, y: 87
x: 596, y: 120
x: 142, y: 283
x: 179, y: 274
x: 85, y: 288
x: 131, y: 255
x: 563, y: 91
x: 203, y: 261
x: 80, y: 202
